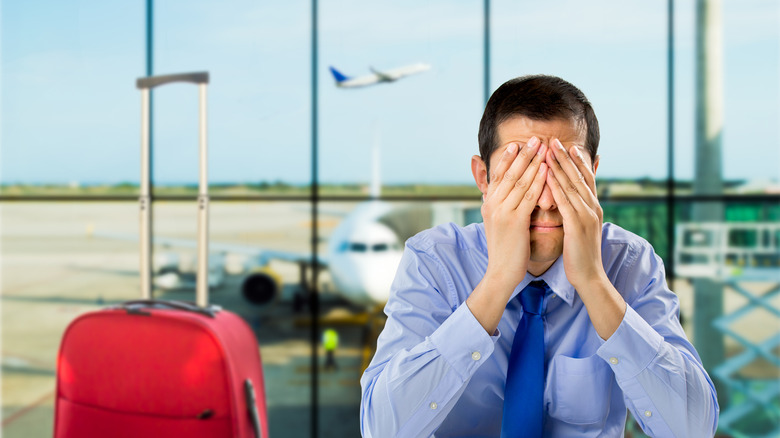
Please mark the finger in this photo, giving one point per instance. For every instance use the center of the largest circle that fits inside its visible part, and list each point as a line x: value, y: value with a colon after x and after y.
x: 570, y: 170
x: 531, y: 197
x: 568, y: 187
x: 497, y: 172
x: 561, y: 200
x: 517, y: 169
x: 585, y: 168
x: 590, y: 178
x: 522, y: 187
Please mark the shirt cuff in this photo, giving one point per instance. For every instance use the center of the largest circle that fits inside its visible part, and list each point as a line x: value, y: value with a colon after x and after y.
x: 632, y: 347
x: 463, y: 342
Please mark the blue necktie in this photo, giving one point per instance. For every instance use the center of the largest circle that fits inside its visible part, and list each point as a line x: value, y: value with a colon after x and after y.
x: 523, y: 394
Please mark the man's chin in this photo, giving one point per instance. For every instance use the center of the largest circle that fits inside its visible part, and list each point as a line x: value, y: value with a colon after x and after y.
x: 540, y: 261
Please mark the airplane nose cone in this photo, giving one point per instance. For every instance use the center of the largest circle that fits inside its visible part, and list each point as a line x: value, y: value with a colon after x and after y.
x: 376, y: 277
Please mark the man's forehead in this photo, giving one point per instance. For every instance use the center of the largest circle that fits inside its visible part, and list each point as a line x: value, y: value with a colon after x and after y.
x: 521, y: 128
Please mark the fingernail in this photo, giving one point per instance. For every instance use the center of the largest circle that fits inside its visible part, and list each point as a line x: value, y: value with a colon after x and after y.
x: 512, y: 148
x: 560, y: 146
x: 577, y: 152
x: 541, y: 150
x: 533, y: 142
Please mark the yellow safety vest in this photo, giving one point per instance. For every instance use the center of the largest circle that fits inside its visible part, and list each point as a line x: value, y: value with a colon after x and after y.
x: 330, y: 339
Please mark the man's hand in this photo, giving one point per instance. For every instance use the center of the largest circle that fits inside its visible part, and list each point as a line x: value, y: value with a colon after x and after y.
x: 573, y: 186
x: 516, y: 182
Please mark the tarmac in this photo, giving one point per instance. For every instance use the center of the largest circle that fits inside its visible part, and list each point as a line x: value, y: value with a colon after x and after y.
x: 55, y: 267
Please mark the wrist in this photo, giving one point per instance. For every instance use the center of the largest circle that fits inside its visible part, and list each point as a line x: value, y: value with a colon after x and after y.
x: 488, y: 300
x: 500, y: 280
x: 595, y: 281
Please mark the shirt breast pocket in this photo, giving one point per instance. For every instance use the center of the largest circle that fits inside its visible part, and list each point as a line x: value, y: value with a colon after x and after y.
x: 579, y: 389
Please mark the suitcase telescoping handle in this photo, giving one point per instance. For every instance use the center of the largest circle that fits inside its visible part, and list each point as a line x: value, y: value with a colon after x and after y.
x: 201, y: 79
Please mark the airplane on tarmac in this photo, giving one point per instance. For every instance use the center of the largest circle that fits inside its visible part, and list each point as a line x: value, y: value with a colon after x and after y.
x: 377, y: 76
x: 362, y: 254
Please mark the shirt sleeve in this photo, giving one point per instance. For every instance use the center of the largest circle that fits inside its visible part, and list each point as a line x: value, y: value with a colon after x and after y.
x: 664, y: 383
x: 426, y: 354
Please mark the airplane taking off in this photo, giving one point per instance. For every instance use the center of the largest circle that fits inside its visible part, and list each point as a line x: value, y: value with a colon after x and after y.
x: 377, y: 76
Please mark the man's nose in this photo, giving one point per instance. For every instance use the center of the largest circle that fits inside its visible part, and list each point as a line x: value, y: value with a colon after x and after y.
x: 546, y: 200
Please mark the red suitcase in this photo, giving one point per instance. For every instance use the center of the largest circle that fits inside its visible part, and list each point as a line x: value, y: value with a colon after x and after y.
x: 161, y: 368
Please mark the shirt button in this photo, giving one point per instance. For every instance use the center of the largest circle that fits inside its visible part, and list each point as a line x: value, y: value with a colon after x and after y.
x: 476, y: 355
x: 648, y: 414
x: 434, y: 406
x: 613, y: 360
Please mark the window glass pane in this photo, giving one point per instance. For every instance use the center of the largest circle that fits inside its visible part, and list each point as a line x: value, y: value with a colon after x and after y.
x: 61, y: 260
x: 258, y: 58
x: 751, y: 94
x: 356, y: 286
x: 721, y: 264
x: 424, y: 125
x: 55, y: 267
x: 70, y: 109
x: 250, y: 248
x: 615, y: 53
x: 751, y: 60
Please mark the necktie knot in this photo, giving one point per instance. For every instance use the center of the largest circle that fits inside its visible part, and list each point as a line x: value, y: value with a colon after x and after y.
x: 532, y: 297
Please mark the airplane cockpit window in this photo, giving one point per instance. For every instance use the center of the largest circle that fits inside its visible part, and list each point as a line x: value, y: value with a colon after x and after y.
x: 365, y: 247
x: 358, y: 247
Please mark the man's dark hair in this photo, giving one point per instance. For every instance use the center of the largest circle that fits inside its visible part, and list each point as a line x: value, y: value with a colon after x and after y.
x: 541, y: 98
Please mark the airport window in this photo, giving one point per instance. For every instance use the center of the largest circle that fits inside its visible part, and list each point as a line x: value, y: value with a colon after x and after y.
x: 69, y: 173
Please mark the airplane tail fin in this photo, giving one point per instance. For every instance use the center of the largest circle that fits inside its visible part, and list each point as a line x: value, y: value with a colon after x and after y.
x: 338, y: 75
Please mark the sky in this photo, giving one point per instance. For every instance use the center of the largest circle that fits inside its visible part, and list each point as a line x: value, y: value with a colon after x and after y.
x: 70, y: 112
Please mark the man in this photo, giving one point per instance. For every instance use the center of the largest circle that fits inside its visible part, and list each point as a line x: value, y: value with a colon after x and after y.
x: 330, y: 341
x: 606, y: 331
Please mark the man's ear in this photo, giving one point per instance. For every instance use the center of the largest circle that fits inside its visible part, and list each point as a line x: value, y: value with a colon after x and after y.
x: 479, y: 170
x: 596, y: 164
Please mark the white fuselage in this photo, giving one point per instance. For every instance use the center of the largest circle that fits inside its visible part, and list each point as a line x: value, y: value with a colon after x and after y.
x: 363, y: 255
x: 383, y: 76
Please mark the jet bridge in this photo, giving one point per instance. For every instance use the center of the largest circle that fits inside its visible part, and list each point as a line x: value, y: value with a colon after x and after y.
x: 738, y: 254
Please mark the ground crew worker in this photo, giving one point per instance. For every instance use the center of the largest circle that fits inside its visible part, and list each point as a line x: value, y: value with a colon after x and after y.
x: 330, y: 340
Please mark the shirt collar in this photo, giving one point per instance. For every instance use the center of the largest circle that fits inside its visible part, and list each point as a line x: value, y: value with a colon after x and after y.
x: 554, y: 276
x: 556, y: 280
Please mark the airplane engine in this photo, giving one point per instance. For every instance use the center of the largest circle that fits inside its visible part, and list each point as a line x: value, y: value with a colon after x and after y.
x: 262, y: 286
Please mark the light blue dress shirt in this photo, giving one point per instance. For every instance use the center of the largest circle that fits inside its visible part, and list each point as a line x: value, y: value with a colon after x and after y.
x: 437, y: 372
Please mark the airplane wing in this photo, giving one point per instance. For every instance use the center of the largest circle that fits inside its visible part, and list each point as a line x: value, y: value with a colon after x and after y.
x: 397, y: 73
x: 262, y: 255
x: 266, y: 255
